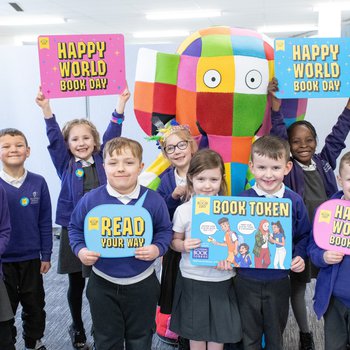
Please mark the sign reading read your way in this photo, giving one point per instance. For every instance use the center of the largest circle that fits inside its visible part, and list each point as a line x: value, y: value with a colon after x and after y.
x: 116, y: 230
x: 312, y: 67
x: 332, y: 226
x: 81, y: 65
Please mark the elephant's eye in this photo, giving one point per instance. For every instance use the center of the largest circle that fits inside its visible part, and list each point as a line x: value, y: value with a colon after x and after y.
x: 253, y: 79
x: 212, y: 78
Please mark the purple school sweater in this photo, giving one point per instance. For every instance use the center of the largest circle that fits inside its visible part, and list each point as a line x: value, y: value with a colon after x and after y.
x: 66, y: 167
x: 130, y: 266
x: 30, y: 214
x: 301, y: 229
x: 5, y: 226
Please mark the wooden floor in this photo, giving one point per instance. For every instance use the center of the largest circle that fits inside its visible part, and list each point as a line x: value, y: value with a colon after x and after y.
x: 58, y: 317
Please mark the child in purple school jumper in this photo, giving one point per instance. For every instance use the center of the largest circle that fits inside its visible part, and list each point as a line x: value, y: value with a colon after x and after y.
x: 263, y: 294
x: 27, y: 256
x: 76, y: 153
x: 6, y: 314
x: 123, y: 292
x: 332, y: 298
x: 312, y: 177
x: 178, y: 146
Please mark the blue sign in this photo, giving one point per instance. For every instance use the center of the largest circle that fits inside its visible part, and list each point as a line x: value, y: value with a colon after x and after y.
x: 116, y: 230
x: 248, y: 232
x: 312, y: 67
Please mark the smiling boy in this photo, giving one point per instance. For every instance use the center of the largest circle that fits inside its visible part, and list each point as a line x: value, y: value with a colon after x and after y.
x: 28, y: 253
x: 263, y: 294
x: 122, y: 292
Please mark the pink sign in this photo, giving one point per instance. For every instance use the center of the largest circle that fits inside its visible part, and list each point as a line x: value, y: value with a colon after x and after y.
x: 82, y: 65
x: 332, y: 226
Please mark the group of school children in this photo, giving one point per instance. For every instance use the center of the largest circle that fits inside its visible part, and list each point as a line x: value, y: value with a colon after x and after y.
x: 200, y: 307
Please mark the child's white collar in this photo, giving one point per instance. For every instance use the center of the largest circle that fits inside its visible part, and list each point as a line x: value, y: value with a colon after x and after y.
x: 278, y: 194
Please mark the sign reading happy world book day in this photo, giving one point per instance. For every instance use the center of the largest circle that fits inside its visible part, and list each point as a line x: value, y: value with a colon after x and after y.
x: 312, y: 67
x: 81, y: 65
x: 248, y: 232
x: 116, y: 230
x: 331, y: 228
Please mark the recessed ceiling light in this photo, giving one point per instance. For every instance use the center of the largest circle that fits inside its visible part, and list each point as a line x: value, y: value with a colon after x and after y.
x: 341, y: 6
x: 161, y: 34
x: 23, y: 20
x: 288, y: 28
x: 164, y: 15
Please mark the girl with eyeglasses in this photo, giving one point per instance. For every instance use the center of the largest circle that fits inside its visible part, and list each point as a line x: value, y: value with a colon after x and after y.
x: 178, y: 146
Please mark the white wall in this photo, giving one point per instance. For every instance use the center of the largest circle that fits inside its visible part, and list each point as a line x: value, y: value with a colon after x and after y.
x: 19, y: 81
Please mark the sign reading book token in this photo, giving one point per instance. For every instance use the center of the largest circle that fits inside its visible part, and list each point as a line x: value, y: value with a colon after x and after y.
x: 332, y: 226
x: 245, y: 231
x: 116, y: 230
x: 82, y: 65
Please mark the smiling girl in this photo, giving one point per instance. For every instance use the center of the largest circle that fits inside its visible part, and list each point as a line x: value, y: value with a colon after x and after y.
x: 312, y: 177
x: 205, y: 309
x: 76, y: 153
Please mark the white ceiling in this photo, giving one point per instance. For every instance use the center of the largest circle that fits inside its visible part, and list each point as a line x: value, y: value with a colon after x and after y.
x: 127, y: 16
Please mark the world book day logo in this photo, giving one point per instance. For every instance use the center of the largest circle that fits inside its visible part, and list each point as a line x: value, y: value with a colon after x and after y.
x: 312, y: 67
x: 81, y: 65
x: 116, y: 230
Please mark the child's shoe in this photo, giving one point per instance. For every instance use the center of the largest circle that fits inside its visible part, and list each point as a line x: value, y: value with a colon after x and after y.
x: 38, y: 346
x: 78, y: 338
x: 306, y: 341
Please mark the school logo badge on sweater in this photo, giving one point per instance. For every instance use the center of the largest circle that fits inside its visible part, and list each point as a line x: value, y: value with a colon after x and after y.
x: 116, y: 230
x: 24, y: 201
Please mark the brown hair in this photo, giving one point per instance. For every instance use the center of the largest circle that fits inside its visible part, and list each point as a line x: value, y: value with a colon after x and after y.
x: 183, y: 134
x: 345, y: 159
x: 13, y: 132
x: 119, y: 144
x: 272, y: 147
x: 202, y: 160
x: 69, y: 125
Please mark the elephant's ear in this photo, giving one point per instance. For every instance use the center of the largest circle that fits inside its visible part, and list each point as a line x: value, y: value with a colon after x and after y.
x: 155, y: 88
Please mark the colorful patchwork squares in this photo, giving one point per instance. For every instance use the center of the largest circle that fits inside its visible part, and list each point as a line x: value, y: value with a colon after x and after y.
x: 218, y: 78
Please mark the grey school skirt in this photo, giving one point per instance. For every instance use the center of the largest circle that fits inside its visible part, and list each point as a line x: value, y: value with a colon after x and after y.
x: 67, y: 261
x: 206, y: 311
x: 5, y: 309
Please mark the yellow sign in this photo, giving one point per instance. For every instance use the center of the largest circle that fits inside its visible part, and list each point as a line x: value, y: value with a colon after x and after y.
x: 325, y: 216
x: 280, y: 45
x: 44, y: 43
x: 93, y: 223
x: 202, y: 205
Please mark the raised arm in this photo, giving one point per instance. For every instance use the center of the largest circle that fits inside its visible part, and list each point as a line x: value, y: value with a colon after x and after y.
x: 44, y: 104
x: 114, y: 128
x: 278, y: 126
x: 335, y: 141
x: 57, y: 148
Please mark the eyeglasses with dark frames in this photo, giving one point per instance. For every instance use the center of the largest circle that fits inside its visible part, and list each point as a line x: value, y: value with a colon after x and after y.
x: 180, y: 145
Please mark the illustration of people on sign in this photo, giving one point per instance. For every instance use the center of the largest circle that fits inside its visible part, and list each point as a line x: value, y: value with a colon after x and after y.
x: 230, y: 240
x: 243, y: 259
x: 261, y: 248
x: 278, y: 238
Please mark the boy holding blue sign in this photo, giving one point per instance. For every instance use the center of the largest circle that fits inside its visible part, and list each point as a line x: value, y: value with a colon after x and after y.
x: 332, y: 299
x: 122, y: 292
x: 76, y: 153
x: 263, y: 294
